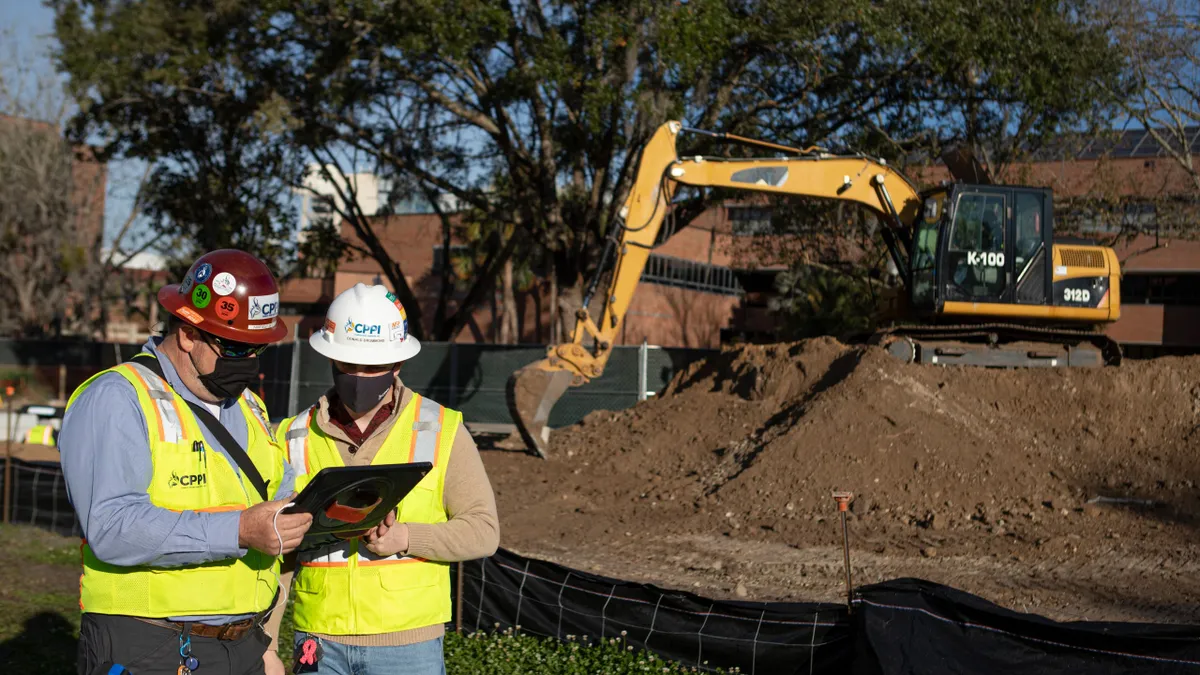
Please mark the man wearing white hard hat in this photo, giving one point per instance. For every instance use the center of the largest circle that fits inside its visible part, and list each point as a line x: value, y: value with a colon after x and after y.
x: 378, y: 603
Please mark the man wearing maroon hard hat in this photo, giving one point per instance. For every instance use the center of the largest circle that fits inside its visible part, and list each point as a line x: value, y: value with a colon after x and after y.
x: 178, y: 481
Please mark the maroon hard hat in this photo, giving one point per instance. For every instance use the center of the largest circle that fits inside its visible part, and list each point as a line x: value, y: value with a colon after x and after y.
x: 230, y: 294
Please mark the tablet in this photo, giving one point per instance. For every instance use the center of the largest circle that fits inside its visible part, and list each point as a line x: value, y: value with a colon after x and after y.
x: 346, y: 501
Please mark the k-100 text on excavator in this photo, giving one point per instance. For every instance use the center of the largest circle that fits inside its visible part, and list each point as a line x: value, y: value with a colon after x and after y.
x: 985, y: 281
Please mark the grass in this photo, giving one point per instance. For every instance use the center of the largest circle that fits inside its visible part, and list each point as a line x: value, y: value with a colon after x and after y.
x: 39, y: 601
x: 39, y: 624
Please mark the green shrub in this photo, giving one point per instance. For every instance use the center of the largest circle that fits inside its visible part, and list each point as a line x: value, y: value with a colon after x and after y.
x: 514, y: 652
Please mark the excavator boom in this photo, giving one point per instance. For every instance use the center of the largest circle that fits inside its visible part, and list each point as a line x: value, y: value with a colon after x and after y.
x: 533, y: 390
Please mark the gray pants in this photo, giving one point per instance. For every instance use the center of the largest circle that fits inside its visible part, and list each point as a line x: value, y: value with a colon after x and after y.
x: 147, y: 649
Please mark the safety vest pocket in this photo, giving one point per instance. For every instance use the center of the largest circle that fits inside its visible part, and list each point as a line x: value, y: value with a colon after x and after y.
x: 408, y: 574
x: 206, y: 589
x: 420, y: 503
x: 309, y: 580
x: 182, y: 477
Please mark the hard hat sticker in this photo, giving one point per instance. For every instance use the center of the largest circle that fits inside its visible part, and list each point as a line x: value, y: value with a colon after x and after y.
x: 396, y: 301
x: 263, y: 306
x: 399, y: 330
x: 201, y: 297
x: 203, y: 272
x: 190, y: 314
x: 224, y: 283
x: 227, y: 308
x: 262, y: 326
x: 186, y: 286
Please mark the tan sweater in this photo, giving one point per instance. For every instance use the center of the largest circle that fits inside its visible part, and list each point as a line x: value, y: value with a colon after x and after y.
x: 471, y: 531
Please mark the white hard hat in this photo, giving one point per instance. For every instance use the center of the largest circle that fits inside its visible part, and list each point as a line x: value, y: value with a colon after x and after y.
x: 367, y: 326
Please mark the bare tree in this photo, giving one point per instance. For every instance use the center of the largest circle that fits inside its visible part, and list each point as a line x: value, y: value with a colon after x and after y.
x: 51, y: 206
x: 1160, y: 43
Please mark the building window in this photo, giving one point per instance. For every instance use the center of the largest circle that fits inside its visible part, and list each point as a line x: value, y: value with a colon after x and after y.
x: 750, y: 220
x: 681, y: 273
x: 1131, y: 217
x: 1161, y: 289
x: 439, y: 256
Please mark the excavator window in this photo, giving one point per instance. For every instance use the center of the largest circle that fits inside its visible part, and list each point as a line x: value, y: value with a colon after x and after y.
x: 1029, y: 230
x: 926, y: 241
x: 976, y: 254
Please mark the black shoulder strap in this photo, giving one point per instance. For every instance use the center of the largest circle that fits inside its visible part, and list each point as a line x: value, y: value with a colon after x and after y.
x: 235, y: 450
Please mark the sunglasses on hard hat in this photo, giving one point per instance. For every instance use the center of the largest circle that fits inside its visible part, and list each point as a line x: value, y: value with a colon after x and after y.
x: 232, y: 349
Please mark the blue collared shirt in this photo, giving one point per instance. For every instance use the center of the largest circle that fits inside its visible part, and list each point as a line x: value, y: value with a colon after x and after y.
x: 105, y: 454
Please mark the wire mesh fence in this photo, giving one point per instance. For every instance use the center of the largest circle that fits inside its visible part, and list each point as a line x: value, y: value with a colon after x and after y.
x: 38, y: 497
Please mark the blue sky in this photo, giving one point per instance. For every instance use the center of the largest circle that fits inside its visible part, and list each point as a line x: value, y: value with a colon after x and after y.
x: 31, y: 25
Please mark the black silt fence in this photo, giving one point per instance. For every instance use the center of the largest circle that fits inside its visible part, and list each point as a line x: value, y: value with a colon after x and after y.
x: 39, y: 497
x: 900, y: 627
x: 914, y: 626
x: 507, y: 590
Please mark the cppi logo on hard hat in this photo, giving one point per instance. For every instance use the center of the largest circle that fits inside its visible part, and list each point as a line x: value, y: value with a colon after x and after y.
x: 264, y: 306
x: 363, y: 329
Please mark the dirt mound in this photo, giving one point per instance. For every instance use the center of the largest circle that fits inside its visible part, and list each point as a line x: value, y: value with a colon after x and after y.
x: 1002, y: 464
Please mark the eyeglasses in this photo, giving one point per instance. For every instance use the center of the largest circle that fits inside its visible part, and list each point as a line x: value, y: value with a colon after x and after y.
x: 232, y: 349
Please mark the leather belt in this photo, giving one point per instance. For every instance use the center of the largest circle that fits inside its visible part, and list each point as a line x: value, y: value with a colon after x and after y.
x: 227, y: 631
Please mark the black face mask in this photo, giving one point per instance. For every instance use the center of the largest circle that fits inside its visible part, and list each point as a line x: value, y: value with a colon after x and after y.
x: 360, y: 393
x: 230, y: 377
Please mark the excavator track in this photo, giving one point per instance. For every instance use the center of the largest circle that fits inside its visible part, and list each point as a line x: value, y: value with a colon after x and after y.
x: 998, y: 345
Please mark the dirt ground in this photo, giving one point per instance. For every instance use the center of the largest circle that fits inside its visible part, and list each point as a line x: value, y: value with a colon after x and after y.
x: 1067, y: 493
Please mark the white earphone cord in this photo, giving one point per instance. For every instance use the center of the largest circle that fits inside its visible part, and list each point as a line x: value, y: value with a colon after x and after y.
x: 278, y: 538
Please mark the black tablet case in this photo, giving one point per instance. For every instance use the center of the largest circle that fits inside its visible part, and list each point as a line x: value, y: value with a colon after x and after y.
x: 366, y: 494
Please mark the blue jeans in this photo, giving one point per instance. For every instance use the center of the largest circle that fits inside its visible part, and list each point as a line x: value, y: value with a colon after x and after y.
x: 422, y: 658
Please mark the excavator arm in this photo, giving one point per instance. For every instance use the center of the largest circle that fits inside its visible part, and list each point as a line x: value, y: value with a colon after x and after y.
x: 533, y: 390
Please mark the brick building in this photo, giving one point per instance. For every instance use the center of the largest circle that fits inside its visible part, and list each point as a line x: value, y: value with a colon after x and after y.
x: 689, y: 289
x: 713, y: 279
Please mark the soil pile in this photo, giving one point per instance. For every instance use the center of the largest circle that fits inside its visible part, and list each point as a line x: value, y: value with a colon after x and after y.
x: 997, y: 474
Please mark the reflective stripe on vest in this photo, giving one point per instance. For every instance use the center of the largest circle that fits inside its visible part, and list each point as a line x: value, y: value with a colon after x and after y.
x: 260, y: 414
x: 164, y: 401
x: 185, y: 480
x: 297, y: 442
x: 343, y: 588
x: 426, y: 427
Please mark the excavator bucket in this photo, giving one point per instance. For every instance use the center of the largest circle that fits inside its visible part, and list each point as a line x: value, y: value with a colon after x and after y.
x: 531, y: 394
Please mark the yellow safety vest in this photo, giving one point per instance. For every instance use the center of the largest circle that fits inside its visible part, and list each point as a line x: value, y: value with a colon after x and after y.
x: 186, y: 479
x: 344, y: 589
x: 42, y: 434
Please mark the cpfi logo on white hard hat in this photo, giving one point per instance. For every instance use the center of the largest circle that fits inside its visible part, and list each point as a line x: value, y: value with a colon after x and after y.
x: 366, y: 325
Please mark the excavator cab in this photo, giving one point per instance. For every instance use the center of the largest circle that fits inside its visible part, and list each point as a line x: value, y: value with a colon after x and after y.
x: 990, y: 251
x: 985, y: 257
x: 987, y: 244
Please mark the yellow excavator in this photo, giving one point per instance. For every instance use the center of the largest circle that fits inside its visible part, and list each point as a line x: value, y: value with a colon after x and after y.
x: 985, y: 281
